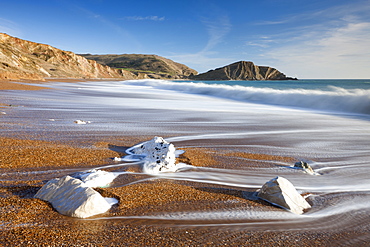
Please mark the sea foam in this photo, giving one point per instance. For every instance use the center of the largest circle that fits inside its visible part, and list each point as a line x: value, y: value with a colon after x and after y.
x: 332, y: 99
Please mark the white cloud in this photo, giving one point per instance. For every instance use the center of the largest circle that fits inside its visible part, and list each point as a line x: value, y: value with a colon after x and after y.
x: 335, y: 44
x: 208, y: 58
x: 129, y: 38
x: 202, y: 61
x: 9, y: 27
x: 145, y: 18
x: 217, y: 30
x: 342, y: 52
x: 334, y: 13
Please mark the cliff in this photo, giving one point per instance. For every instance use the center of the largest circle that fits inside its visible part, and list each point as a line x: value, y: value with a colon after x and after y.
x: 145, y: 66
x: 21, y: 59
x: 242, y: 71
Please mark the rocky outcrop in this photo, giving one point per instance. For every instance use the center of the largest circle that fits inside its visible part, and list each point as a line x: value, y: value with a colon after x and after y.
x: 145, y: 66
x: 21, y: 59
x: 242, y: 71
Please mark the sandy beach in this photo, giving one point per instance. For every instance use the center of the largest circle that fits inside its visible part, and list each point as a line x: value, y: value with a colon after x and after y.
x: 152, y: 211
x: 29, y: 221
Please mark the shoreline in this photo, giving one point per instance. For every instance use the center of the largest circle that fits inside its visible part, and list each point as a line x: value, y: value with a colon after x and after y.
x: 21, y: 84
x: 151, y: 211
x: 30, y: 218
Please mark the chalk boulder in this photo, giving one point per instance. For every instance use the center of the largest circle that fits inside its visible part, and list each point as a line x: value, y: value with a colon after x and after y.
x: 95, y: 178
x: 304, y: 166
x: 280, y: 192
x: 159, y: 155
x: 70, y: 196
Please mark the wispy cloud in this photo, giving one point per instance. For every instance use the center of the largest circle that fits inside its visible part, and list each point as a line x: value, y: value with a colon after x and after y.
x: 145, y: 18
x: 335, y: 47
x: 112, y: 26
x: 334, y: 13
x: 202, y: 62
x: 342, y: 52
x: 9, y: 27
x: 217, y: 30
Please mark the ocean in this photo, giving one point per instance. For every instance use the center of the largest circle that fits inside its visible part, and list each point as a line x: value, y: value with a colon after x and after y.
x: 350, y: 96
x: 325, y: 123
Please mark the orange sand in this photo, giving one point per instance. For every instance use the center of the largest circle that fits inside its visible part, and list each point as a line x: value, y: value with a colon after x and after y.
x: 27, y: 221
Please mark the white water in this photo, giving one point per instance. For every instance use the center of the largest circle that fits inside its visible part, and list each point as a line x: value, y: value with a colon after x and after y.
x: 333, y: 99
x: 335, y: 145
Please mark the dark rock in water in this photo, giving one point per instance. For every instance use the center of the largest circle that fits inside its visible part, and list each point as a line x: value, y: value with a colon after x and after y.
x: 242, y: 70
x: 279, y: 191
x: 306, y: 167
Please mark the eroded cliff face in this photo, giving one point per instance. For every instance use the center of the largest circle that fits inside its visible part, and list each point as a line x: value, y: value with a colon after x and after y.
x: 242, y: 70
x: 21, y: 59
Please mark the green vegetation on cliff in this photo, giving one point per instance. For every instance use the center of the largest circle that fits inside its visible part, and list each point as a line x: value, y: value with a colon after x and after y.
x: 151, y: 66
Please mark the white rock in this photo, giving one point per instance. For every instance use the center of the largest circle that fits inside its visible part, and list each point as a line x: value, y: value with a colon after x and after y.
x: 117, y: 159
x: 159, y: 155
x: 279, y: 191
x: 69, y: 196
x: 81, y: 122
x: 95, y: 178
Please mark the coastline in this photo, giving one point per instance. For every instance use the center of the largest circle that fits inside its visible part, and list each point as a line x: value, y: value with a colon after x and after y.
x: 20, y: 85
x: 26, y: 220
x: 29, y: 160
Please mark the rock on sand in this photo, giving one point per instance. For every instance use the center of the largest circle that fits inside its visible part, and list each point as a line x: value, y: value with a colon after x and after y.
x: 279, y: 191
x: 70, y: 196
x: 159, y: 155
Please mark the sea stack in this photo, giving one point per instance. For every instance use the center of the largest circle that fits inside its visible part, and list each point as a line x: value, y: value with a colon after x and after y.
x: 242, y: 71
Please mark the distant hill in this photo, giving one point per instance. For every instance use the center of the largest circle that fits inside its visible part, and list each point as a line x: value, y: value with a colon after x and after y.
x: 145, y: 66
x: 22, y: 59
x: 242, y: 70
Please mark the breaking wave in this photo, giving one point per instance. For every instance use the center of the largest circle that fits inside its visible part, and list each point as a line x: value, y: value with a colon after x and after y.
x: 333, y: 98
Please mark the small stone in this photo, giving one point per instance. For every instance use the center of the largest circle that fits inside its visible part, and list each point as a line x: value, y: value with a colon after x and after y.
x: 304, y: 166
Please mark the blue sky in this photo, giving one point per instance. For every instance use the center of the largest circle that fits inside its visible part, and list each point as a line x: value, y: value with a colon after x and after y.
x: 305, y: 39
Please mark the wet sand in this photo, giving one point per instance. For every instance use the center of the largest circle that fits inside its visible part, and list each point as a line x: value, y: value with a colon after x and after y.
x: 29, y: 221
x: 25, y: 221
x: 10, y: 85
